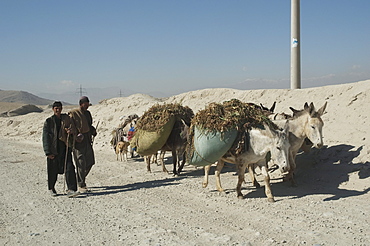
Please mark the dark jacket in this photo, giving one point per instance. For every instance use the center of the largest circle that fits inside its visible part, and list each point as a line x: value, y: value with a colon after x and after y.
x: 52, y: 138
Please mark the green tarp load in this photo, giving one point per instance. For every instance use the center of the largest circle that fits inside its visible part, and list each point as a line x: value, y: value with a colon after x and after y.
x: 155, y: 125
x: 220, y: 128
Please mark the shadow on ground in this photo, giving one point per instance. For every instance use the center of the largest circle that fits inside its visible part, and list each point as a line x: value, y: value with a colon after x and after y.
x: 322, y: 171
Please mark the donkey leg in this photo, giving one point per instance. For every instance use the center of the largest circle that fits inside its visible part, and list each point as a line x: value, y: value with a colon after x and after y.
x: 252, y: 174
x: 132, y: 152
x: 174, y: 160
x: 147, y: 161
x: 161, y: 160
x: 220, y: 165
x: 164, y: 169
x: 290, y: 175
x: 206, y: 173
x: 182, y: 163
x: 268, y: 191
x: 161, y: 157
x: 292, y: 169
x: 241, y: 173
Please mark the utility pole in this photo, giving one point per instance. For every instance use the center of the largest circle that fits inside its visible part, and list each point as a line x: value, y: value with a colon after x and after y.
x: 81, y: 91
x: 295, y: 50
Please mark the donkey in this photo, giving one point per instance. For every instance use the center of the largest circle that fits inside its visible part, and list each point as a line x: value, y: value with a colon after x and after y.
x: 176, y: 143
x: 261, y: 142
x: 122, y: 133
x: 305, y: 124
x: 117, y: 136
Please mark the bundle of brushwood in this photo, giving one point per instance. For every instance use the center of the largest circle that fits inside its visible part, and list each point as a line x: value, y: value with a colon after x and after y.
x: 222, y: 127
x: 155, y: 125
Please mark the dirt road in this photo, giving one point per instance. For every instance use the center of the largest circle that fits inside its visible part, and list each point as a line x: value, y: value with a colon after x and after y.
x: 128, y: 206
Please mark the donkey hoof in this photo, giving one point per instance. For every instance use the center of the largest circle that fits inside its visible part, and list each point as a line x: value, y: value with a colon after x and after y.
x: 221, y: 191
x: 240, y: 196
x: 271, y: 199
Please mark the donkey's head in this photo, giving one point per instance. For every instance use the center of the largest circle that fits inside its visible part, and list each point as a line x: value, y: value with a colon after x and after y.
x: 280, y: 146
x: 314, y: 123
x: 185, y: 130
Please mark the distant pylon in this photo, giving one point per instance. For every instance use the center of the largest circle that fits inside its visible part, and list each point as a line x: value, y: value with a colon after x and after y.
x: 81, y: 91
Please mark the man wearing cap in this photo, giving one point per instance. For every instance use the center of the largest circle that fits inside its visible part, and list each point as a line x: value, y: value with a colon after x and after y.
x: 83, y: 133
x: 59, y: 157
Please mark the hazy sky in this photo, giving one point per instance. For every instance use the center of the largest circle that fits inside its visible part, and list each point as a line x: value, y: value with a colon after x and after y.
x: 177, y: 46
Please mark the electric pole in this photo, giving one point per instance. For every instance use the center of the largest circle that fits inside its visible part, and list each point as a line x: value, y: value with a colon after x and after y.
x: 295, y: 50
x: 81, y: 91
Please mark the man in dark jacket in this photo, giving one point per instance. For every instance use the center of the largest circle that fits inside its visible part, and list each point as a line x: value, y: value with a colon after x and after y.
x: 54, y: 139
x: 84, y: 132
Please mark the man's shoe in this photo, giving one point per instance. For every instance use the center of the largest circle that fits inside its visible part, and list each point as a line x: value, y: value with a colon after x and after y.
x: 72, y: 193
x: 53, y: 192
x: 83, y: 189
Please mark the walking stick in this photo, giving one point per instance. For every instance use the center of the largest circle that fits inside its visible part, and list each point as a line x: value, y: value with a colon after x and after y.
x: 96, y: 129
x: 65, y: 165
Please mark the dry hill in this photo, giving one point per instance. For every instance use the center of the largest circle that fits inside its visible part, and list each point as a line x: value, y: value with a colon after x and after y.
x: 22, y: 97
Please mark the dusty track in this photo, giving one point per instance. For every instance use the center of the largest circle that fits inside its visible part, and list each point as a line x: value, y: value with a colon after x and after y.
x: 128, y: 206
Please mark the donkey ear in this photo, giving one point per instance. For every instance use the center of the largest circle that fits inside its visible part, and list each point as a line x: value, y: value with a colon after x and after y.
x: 306, y: 106
x: 268, y: 129
x: 322, y: 109
x: 273, y: 107
x: 184, y: 123
x: 263, y: 107
x: 312, y: 106
x: 294, y: 110
x: 311, y: 109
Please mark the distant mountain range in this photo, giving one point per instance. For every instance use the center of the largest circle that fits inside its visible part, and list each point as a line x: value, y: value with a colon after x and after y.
x: 95, y: 94
x: 22, y: 97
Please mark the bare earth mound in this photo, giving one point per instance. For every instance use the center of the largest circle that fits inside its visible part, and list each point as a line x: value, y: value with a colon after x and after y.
x: 128, y: 206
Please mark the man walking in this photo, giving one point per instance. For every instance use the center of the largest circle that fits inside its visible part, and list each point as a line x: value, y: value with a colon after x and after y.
x: 59, y: 157
x: 83, y: 152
